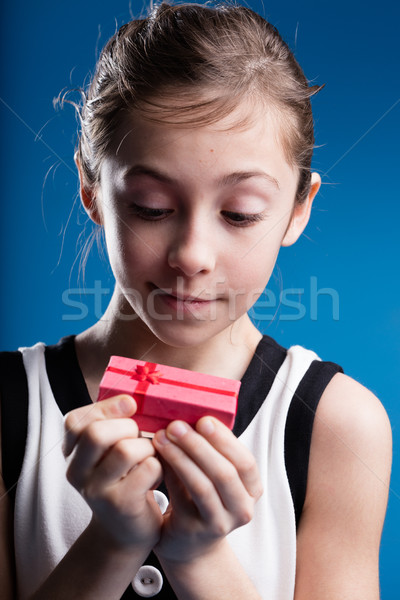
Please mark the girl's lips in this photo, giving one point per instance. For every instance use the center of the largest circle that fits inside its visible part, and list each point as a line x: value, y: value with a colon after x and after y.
x: 182, y: 304
x: 186, y: 298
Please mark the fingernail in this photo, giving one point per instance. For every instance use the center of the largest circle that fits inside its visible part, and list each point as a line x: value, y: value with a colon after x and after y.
x: 177, y: 429
x: 161, y: 438
x: 125, y: 405
x: 206, y: 427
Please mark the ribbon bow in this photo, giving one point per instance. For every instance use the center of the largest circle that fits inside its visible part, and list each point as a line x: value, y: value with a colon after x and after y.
x: 143, y: 373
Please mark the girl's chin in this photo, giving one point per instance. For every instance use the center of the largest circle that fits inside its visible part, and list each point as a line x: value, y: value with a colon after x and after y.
x: 179, y: 334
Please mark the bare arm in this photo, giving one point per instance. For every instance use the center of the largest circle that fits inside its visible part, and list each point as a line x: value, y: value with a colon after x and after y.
x: 217, y: 575
x: 95, y: 568
x: 349, y: 472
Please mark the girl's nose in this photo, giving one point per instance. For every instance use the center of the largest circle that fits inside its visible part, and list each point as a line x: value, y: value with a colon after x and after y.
x: 191, y: 252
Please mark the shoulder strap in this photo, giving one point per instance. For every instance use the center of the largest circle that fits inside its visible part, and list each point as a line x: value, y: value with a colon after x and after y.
x: 299, y: 426
x: 257, y: 381
x: 68, y: 387
x: 65, y: 375
x: 14, y: 417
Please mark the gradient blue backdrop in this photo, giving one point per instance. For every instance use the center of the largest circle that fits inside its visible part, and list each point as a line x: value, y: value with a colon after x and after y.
x: 343, y: 273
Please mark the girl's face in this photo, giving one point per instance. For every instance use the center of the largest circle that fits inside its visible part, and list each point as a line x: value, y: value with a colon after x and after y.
x: 193, y: 220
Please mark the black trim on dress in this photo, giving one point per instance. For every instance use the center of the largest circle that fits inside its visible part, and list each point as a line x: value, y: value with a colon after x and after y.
x: 299, y: 426
x: 14, y: 417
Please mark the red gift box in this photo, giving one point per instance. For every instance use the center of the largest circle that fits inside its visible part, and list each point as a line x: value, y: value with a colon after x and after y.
x: 164, y: 393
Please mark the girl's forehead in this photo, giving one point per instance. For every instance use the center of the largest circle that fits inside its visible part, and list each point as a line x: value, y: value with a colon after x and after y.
x: 210, y: 152
x: 256, y: 128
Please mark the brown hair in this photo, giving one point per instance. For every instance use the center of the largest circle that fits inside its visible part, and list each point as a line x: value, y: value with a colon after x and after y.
x: 192, y: 64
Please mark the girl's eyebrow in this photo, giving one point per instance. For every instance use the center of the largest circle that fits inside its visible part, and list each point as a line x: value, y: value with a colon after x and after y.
x: 150, y: 172
x: 231, y: 179
x: 238, y: 176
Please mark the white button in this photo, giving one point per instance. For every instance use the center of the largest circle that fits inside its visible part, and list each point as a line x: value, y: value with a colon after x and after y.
x: 161, y: 500
x: 147, y: 582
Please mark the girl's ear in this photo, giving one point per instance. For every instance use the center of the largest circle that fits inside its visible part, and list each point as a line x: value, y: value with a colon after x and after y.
x: 301, y: 213
x: 88, y: 198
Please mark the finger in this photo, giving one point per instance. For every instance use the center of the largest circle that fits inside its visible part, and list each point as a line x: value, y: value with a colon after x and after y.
x: 218, y: 473
x: 197, y: 484
x: 227, y: 444
x: 124, y: 456
x: 179, y: 498
x: 77, y: 420
x: 93, y: 443
x: 139, y: 481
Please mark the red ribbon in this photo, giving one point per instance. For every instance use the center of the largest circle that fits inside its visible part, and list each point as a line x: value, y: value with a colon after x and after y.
x: 147, y: 374
x: 144, y: 374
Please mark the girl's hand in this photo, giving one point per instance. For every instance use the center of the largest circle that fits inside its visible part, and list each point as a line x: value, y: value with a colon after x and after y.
x: 115, y: 471
x: 213, y: 483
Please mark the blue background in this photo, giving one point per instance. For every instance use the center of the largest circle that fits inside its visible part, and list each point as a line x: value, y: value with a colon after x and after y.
x: 350, y: 250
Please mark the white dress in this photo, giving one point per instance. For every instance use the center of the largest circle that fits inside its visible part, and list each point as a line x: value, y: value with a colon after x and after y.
x: 50, y: 514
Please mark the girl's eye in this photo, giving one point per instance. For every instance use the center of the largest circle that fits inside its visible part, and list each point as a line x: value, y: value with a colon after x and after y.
x: 150, y: 214
x: 242, y: 219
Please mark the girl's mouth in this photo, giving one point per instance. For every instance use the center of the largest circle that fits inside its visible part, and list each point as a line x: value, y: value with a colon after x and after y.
x: 182, y: 303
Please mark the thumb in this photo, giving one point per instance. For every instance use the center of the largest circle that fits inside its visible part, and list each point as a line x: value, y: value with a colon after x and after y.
x: 77, y: 420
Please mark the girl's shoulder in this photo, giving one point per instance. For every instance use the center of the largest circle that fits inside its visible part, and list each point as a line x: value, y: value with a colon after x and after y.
x: 351, y: 423
x: 352, y: 416
x: 349, y: 411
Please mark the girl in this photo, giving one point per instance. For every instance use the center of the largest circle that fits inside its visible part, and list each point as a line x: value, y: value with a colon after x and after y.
x: 194, y: 158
